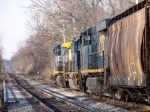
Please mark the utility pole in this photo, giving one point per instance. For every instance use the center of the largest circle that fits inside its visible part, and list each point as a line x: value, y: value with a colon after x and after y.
x: 63, y: 30
x: 64, y: 37
x: 73, y: 20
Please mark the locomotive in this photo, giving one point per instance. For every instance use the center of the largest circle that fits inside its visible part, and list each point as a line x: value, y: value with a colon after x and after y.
x: 110, y: 59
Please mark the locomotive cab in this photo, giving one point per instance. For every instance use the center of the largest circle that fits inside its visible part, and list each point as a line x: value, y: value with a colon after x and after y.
x: 58, y: 65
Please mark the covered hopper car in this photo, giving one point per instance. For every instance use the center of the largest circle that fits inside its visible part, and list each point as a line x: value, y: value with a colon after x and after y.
x: 110, y: 59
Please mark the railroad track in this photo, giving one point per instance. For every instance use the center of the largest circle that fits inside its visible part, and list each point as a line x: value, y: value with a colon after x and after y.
x: 48, y: 101
x: 131, y: 106
x: 17, y: 107
x: 48, y: 91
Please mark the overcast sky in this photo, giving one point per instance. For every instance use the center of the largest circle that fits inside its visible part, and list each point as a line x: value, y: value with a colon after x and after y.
x: 13, y: 27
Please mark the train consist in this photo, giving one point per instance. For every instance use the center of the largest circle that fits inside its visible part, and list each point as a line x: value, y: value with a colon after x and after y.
x: 111, y: 59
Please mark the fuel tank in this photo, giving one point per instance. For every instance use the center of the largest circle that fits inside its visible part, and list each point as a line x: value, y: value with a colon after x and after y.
x: 125, y: 41
x: 93, y: 85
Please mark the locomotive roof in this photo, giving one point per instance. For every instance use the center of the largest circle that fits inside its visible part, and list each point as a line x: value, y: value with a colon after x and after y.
x: 102, y: 25
x: 58, y: 46
x: 89, y: 30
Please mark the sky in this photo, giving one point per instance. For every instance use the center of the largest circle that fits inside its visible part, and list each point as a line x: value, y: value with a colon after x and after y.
x: 13, y: 28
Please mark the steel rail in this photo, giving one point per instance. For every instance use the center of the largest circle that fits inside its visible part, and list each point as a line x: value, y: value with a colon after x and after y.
x: 81, y: 108
x: 66, y: 101
x: 42, y: 104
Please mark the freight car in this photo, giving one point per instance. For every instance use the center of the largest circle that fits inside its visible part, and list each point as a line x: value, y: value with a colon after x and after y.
x: 110, y: 59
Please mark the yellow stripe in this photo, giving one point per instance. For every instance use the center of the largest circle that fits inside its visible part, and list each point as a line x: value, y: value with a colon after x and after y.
x: 71, y: 73
x: 101, y: 70
x: 56, y: 72
x: 83, y: 71
x: 92, y: 70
